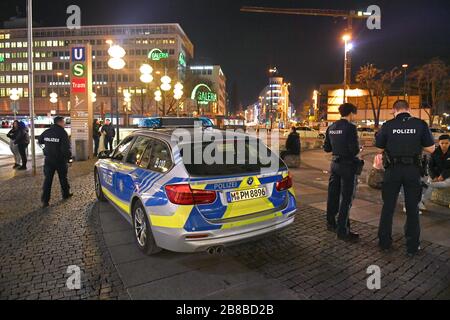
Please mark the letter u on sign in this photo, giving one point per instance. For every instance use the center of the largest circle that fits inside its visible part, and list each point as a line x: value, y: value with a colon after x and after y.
x: 78, y: 54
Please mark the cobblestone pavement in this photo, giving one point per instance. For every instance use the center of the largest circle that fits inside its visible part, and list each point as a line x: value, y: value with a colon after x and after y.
x: 304, y: 261
x: 37, y: 246
x: 309, y: 260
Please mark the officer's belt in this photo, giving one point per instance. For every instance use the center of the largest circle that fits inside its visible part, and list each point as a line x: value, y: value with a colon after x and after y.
x: 341, y: 159
x: 405, y: 160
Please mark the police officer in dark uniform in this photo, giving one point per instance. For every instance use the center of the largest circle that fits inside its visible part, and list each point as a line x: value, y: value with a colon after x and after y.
x: 342, y: 140
x: 58, y: 154
x: 402, y: 140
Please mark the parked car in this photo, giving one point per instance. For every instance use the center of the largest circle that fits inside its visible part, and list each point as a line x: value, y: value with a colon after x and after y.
x: 307, y: 132
x: 437, y: 132
x: 189, y: 206
x: 366, y: 132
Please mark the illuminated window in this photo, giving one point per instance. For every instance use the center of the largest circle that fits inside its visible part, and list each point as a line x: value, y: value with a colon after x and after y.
x: 19, y: 66
x: 2, y: 36
x: 13, y: 44
x: 2, y: 79
x: 19, y: 79
x: 49, y: 43
x: 7, y: 55
x: 61, y: 43
x: 2, y: 92
x: 49, y: 65
x: 14, y: 55
x: 43, y: 93
x: 42, y: 44
x: 25, y: 44
x: 25, y: 79
x: 25, y: 92
x: 19, y: 44
x: 14, y: 79
x: 7, y: 44
x: 2, y: 45
x: 55, y: 43
x: 7, y: 36
x: 37, y: 66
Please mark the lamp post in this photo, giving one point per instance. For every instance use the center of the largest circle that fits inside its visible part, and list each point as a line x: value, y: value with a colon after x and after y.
x: 348, y: 46
x: 116, y: 63
x: 14, y: 98
x: 165, y: 86
x: 158, y: 98
x: 405, y: 69
x: 177, y: 94
x: 146, y: 77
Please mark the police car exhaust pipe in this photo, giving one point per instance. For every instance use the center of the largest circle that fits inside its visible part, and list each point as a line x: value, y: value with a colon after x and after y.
x: 215, y: 250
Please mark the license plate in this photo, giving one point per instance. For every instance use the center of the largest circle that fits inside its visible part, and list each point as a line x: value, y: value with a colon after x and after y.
x: 248, y: 194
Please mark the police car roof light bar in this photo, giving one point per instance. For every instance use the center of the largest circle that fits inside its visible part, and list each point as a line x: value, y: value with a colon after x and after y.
x: 173, y: 122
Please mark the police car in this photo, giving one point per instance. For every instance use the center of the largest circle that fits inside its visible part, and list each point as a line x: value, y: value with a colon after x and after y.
x: 181, y: 205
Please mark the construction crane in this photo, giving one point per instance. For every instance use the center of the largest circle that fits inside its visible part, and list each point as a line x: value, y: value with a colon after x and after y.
x: 348, y: 15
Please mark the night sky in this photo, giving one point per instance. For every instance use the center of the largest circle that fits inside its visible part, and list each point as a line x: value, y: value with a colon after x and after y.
x: 308, y: 51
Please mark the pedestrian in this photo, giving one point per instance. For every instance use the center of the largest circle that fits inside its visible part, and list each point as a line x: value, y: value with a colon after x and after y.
x: 57, y: 151
x: 14, y: 148
x: 96, y: 135
x: 402, y: 141
x: 22, y: 140
x: 341, y: 140
x: 110, y: 133
x: 293, y: 145
x: 439, y: 168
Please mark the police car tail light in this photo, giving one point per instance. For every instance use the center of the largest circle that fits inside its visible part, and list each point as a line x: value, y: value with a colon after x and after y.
x: 284, y: 184
x: 184, y: 195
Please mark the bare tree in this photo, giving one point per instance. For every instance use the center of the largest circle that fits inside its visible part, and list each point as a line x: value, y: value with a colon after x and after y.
x: 431, y: 81
x: 378, y: 84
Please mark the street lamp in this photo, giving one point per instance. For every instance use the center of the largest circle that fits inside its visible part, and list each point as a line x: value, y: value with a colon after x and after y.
x: 14, y: 98
x: 146, y: 77
x: 116, y: 63
x: 347, y: 48
x: 405, y: 69
x: 178, y: 94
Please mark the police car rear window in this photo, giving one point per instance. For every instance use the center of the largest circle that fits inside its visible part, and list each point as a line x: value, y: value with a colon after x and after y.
x: 228, y: 158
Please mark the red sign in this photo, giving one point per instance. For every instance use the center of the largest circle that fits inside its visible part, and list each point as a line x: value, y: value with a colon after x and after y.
x: 78, y: 85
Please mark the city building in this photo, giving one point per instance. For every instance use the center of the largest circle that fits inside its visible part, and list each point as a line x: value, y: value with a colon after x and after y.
x: 165, y: 47
x: 328, y: 98
x: 273, y: 106
x: 207, y: 89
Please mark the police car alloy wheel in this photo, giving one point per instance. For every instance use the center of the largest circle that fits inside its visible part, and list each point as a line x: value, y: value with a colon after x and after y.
x: 98, y: 187
x: 142, y: 230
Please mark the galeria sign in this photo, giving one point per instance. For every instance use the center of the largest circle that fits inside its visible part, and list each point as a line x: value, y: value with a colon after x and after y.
x: 156, y: 55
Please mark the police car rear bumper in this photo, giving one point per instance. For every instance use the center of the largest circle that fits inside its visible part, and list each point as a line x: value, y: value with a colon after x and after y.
x: 176, y: 239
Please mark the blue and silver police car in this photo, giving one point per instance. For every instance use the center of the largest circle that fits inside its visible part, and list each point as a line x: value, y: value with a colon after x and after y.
x: 190, y: 206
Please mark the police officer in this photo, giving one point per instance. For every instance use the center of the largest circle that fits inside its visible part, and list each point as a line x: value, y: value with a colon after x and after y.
x: 342, y: 140
x: 57, y: 153
x: 402, y: 141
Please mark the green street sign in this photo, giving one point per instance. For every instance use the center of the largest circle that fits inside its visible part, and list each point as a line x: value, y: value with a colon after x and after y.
x: 78, y: 70
x: 182, y: 59
x: 156, y: 55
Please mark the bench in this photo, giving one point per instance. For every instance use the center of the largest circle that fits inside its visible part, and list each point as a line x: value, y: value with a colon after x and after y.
x: 441, y: 197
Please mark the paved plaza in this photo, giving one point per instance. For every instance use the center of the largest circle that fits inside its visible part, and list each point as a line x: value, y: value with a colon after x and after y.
x: 304, y: 261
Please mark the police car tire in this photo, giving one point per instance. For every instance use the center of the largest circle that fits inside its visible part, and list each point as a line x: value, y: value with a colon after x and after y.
x: 150, y: 246
x: 99, y: 193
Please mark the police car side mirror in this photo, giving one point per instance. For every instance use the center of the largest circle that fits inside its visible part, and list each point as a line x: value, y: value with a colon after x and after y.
x: 104, y: 154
